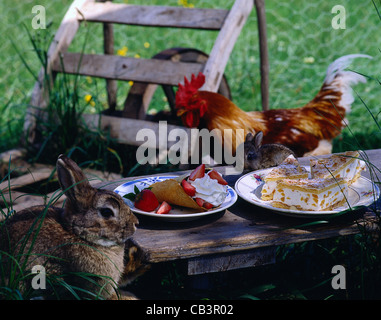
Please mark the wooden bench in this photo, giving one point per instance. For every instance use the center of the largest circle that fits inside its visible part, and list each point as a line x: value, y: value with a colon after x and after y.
x: 242, y: 236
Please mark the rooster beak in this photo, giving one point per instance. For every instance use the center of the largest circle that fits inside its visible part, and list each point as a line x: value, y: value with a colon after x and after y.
x: 181, y: 111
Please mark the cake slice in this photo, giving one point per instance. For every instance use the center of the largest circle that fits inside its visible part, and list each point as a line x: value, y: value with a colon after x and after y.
x: 310, y: 194
x: 288, y: 169
x: 345, y: 165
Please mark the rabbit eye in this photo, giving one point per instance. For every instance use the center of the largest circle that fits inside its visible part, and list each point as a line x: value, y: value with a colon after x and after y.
x: 106, y: 212
x: 250, y: 156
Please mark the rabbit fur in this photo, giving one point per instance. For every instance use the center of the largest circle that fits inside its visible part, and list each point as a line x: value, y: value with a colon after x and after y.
x: 258, y: 156
x: 88, y: 235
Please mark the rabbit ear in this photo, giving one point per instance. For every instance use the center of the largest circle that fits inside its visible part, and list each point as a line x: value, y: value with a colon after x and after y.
x: 249, y: 137
x: 258, y: 139
x: 71, y: 178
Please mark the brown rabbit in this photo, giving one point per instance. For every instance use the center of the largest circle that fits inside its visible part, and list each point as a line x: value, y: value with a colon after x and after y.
x: 87, y: 236
x: 258, y: 156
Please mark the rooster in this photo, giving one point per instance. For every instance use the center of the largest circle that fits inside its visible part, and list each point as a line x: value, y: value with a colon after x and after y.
x: 307, y: 130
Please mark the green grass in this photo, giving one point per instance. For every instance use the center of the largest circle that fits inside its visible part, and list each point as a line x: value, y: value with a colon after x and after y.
x: 301, y: 43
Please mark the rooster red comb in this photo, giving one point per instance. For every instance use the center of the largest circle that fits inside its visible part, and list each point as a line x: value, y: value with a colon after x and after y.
x: 189, y: 105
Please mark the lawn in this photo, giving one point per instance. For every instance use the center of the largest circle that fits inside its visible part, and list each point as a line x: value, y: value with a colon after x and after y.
x: 302, y: 43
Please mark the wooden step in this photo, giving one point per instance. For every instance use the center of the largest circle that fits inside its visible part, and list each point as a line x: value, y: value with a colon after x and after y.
x: 126, y: 68
x: 12, y: 199
x: 155, y: 16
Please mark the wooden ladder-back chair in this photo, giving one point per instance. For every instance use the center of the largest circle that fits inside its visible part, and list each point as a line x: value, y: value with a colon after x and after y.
x: 168, y: 68
x: 144, y: 72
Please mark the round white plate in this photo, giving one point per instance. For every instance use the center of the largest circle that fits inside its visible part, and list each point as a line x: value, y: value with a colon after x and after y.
x: 177, y: 213
x: 249, y: 187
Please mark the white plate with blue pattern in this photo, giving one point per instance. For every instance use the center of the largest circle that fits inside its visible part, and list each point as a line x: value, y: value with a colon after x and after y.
x: 361, y: 194
x: 177, y: 213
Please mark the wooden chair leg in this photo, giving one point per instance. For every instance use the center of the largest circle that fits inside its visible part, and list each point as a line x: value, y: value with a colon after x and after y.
x: 263, y: 51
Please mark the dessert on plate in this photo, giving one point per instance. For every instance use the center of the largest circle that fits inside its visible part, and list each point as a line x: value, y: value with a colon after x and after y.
x: 288, y: 185
x: 201, y: 190
x: 288, y: 169
x: 345, y: 165
x: 310, y: 194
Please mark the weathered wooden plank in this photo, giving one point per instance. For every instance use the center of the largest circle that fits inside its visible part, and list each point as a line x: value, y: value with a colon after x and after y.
x: 26, y: 179
x: 223, y: 46
x: 62, y: 39
x: 156, y: 16
x: 12, y: 155
x: 263, y: 52
x: 108, y: 48
x: 237, y: 260
x: 125, y: 130
x: 18, y: 201
x: 126, y: 68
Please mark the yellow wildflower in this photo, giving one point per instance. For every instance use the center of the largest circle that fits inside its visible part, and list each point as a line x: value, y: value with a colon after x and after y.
x: 309, y: 60
x: 130, y: 83
x: 122, y: 52
x: 185, y: 4
x: 88, y: 98
x: 137, y: 56
x: 146, y: 45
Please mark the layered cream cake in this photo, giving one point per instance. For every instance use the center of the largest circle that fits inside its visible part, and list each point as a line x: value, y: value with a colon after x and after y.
x: 288, y: 169
x: 345, y: 165
x: 310, y: 194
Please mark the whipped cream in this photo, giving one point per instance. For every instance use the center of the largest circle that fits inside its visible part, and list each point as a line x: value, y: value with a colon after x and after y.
x: 209, y: 190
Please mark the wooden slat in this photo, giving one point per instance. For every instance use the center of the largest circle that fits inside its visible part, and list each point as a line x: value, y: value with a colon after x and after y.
x: 124, y: 130
x: 231, y: 261
x: 29, y: 178
x: 12, y: 155
x: 223, y: 46
x: 124, y: 68
x: 263, y: 51
x: 158, y: 16
x: 108, y: 48
x: 15, y: 200
x: 62, y: 39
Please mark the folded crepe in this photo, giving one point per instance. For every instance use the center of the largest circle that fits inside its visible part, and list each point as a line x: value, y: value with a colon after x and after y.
x: 171, y: 191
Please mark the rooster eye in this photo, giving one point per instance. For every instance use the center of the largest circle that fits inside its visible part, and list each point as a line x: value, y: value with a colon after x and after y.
x: 106, y: 212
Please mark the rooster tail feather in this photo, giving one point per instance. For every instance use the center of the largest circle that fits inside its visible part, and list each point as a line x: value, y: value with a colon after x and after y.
x: 341, y: 81
x: 333, y: 102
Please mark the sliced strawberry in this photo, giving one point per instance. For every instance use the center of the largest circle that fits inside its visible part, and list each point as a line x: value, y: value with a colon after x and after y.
x: 164, y: 208
x: 207, y: 205
x: 199, y: 172
x: 199, y: 201
x: 146, y: 200
x: 215, y: 175
x: 188, y: 188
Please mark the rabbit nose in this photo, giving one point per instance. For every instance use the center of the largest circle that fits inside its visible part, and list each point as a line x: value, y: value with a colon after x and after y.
x: 135, y: 221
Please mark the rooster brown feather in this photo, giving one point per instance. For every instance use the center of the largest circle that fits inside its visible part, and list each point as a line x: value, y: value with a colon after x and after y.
x: 307, y: 130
